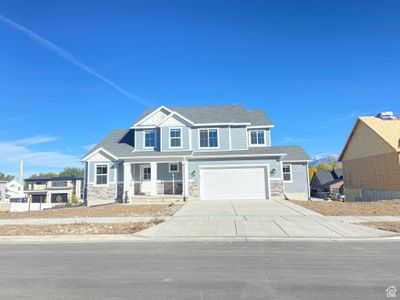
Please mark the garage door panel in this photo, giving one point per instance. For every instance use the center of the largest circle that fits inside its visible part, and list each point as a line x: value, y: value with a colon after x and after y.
x: 232, y: 183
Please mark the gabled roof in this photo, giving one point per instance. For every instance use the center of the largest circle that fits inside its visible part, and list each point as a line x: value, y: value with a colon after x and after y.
x: 388, y: 130
x: 337, y: 173
x: 324, y: 177
x: 119, y: 143
x: 233, y: 113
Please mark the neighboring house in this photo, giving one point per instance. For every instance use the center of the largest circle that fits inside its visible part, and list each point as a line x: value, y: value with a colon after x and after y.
x: 11, y: 191
x: 327, y: 182
x: 371, y: 159
x: 3, y: 190
x: 197, y: 153
x: 53, y: 190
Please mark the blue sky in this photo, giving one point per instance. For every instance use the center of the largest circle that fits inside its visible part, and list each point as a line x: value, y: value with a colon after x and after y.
x: 71, y: 71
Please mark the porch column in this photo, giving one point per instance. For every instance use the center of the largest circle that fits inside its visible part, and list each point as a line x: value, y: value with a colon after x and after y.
x: 153, y: 166
x: 185, y: 181
x: 127, y: 196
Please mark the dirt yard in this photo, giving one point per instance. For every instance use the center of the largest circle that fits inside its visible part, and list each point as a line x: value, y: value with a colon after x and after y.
x: 75, y: 229
x: 111, y: 210
x: 333, y: 208
x: 390, y: 226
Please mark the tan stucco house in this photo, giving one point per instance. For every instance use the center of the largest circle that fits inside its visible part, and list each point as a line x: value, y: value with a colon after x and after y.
x: 371, y: 159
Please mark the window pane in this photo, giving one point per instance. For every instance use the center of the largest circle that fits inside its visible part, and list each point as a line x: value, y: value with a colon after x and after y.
x: 203, y: 138
x: 101, y: 169
x: 260, y: 137
x: 173, y: 167
x: 147, y: 173
x: 253, y: 138
x: 213, y: 135
x: 101, y: 179
x: 149, y: 139
x: 175, y: 133
x: 286, y: 177
x: 175, y: 142
x: 175, y: 136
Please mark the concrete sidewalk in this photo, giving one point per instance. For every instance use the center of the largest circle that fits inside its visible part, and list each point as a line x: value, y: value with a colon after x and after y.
x: 256, y: 219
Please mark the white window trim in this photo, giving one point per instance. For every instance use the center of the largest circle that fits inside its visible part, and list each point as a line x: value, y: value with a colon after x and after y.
x: 291, y: 173
x: 208, y: 133
x: 95, y: 174
x: 175, y: 147
x: 144, y: 139
x: 142, y: 167
x: 169, y: 168
x: 257, y: 145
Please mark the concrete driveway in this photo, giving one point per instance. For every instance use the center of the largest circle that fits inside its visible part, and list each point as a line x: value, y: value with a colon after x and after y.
x: 255, y: 219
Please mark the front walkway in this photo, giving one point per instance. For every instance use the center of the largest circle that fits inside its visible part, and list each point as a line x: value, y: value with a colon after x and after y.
x: 255, y: 219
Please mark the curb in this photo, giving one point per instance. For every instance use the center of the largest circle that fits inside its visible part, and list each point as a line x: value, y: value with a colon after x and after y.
x: 110, y: 238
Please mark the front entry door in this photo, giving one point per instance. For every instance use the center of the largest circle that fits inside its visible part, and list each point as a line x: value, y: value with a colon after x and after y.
x: 145, y: 179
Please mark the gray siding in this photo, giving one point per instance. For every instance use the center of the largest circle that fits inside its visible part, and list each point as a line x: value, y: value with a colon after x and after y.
x: 223, y: 139
x: 162, y: 172
x: 165, y: 146
x: 194, y: 171
x: 238, y: 138
x: 112, y: 170
x: 139, y: 140
x: 299, y: 178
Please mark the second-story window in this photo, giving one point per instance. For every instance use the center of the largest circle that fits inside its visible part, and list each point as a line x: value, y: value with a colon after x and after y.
x: 208, y: 138
x: 59, y: 183
x: 257, y: 137
x: 149, y: 139
x: 175, y: 138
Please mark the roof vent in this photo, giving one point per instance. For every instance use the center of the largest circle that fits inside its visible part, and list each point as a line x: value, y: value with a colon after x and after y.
x: 387, y: 115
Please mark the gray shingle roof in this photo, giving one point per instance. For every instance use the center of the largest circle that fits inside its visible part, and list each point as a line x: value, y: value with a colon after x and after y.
x: 120, y: 143
x: 324, y: 176
x: 219, y: 114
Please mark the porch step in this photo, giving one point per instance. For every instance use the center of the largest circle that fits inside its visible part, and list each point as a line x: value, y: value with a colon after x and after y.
x: 158, y: 198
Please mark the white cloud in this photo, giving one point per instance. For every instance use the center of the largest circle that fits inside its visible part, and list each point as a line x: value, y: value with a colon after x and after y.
x: 70, y: 58
x: 35, y: 140
x: 11, y: 152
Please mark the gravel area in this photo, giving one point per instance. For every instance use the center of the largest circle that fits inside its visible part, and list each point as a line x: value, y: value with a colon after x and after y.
x: 390, y: 226
x: 335, y: 208
x: 75, y: 229
x: 112, y: 210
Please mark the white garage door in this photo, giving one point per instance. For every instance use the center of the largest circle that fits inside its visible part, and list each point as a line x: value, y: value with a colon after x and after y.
x: 232, y: 183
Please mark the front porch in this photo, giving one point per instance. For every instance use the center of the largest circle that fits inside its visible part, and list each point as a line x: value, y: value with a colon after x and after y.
x: 158, y: 181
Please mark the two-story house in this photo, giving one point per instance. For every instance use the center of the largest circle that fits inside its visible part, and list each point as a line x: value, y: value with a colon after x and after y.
x: 55, y: 190
x: 198, y: 153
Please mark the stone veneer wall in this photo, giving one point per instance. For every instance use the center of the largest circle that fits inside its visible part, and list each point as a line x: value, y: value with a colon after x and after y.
x: 277, y: 189
x: 120, y: 191
x: 194, y: 190
x: 97, y: 195
x: 166, y: 188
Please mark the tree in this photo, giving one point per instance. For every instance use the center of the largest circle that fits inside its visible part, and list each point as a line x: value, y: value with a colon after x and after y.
x: 333, y: 163
x: 44, y: 174
x: 67, y: 172
x: 323, y: 166
x: 311, y: 171
x: 6, y: 177
x: 73, y: 172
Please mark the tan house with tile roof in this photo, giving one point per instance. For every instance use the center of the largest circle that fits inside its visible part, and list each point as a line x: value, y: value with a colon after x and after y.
x: 371, y: 160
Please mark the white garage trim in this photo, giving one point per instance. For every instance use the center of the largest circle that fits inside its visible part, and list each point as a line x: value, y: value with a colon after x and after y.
x: 238, y: 166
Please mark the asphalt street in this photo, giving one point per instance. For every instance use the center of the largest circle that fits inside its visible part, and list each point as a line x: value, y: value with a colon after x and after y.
x: 200, y: 270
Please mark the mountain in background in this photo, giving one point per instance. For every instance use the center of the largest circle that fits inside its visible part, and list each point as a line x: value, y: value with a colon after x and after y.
x: 324, y: 157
